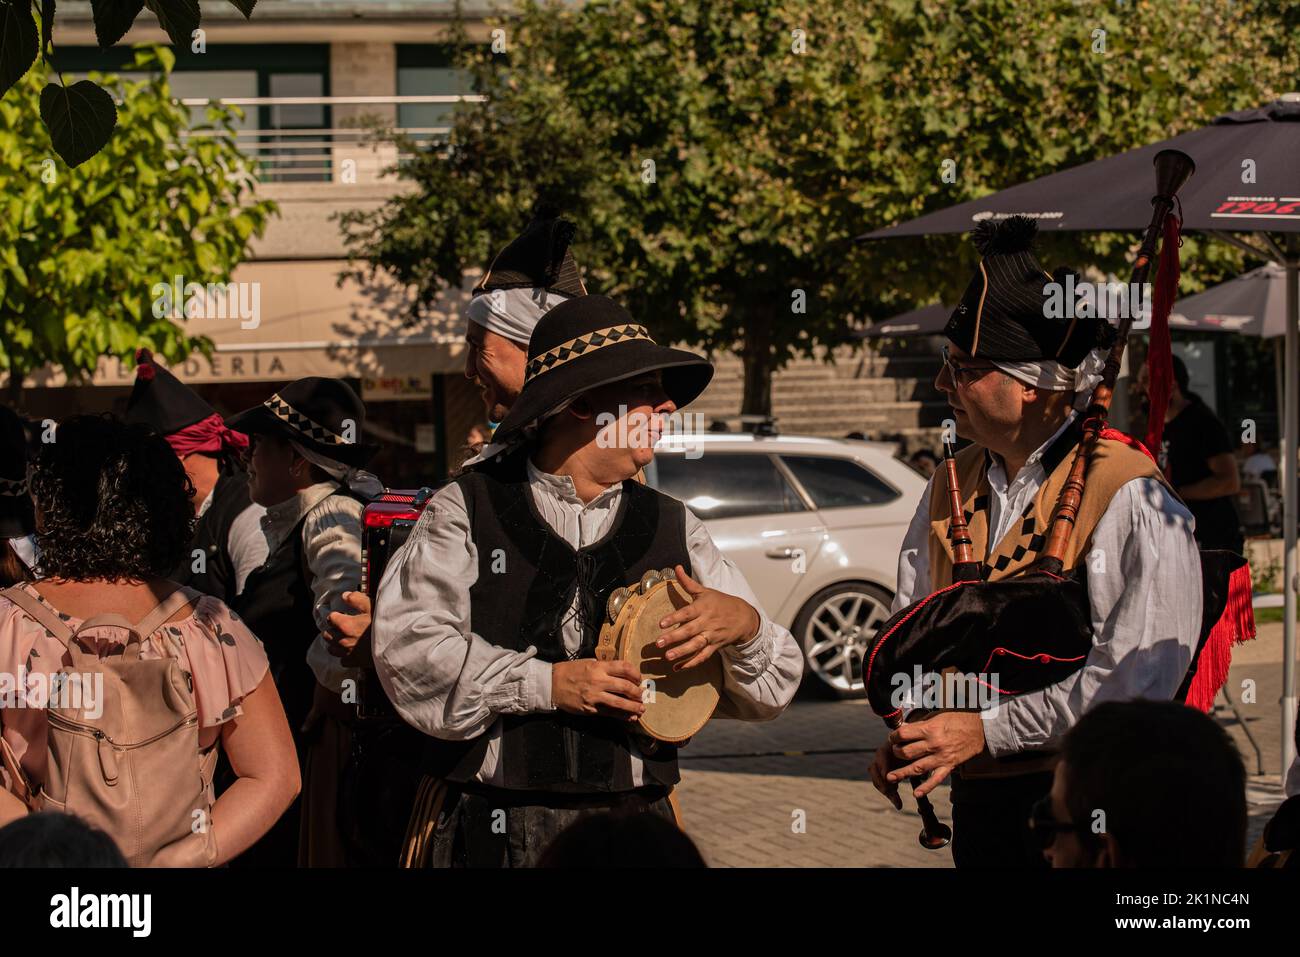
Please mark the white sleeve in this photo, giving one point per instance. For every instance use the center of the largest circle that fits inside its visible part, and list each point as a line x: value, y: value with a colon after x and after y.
x: 442, y: 678
x: 760, y: 675
x: 1144, y: 589
x: 331, y: 538
x: 914, y: 557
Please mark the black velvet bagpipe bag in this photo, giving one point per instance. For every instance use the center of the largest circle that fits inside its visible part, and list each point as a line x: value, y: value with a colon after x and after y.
x: 1024, y: 633
x: 1029, y: 631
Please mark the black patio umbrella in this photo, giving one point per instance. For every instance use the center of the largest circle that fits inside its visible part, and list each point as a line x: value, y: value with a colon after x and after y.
x: 1247, y: 182
x: 925, y: 321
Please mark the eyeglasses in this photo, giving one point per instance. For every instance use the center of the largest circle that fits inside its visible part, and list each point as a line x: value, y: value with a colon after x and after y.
x: 958, y: 369
x: 1044, y: 826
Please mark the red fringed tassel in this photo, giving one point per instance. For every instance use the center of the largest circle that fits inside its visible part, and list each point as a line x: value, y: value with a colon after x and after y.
x: 1235, y: 625
x: 1160, y: 362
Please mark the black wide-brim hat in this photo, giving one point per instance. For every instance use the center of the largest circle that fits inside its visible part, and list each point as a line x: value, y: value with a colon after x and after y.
x: 588, y: 342
x: 322, y: 415
x: 17, y: 514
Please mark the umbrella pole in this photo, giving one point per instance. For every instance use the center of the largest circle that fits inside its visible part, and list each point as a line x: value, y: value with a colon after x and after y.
x: 1290, y: 491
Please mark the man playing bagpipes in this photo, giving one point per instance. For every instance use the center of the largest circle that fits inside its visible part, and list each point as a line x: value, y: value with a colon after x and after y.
x: 1019, y: 383
x: 490, y: 614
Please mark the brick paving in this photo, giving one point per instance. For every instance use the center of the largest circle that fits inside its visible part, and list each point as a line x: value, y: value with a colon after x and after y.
x: 795, y: 792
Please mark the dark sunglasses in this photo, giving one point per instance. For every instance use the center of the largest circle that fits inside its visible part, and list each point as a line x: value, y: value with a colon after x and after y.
x: 957, y: 369
x: 1044, y: 826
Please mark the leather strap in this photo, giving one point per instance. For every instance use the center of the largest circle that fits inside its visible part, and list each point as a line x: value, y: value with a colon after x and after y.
x: 39, y: 612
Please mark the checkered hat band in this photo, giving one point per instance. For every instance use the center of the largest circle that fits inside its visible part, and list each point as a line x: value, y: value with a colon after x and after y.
x: 313, y: 430
x: 582, y: 345
x: 14, y: 488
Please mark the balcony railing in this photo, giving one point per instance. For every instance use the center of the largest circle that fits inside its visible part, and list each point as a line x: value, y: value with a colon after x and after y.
x: 290, y: 147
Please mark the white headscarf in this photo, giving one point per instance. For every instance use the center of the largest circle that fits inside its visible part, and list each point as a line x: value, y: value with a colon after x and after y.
x: 1055, y: 377
x: 512, y: 313
x: 359, y: 480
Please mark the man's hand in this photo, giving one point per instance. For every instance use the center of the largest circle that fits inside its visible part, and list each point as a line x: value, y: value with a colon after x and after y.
x: 880, y: 767
x: 935, y: 746
x: 348, y: 628
x: 588, y: 686
x: 711, y: 621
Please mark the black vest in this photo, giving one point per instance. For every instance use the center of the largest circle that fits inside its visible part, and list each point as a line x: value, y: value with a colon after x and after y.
x: 527, y: 605
x: 277, y: 604
x: 211, y: 535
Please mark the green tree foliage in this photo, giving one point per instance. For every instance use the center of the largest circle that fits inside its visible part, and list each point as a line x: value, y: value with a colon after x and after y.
x: 780, y: 129
x: 81, y: 249
x: 80, y: 118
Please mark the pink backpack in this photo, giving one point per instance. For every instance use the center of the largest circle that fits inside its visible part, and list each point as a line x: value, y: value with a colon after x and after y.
x: 135, y: 771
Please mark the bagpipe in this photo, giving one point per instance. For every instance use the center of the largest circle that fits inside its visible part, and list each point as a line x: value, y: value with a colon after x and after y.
x: 1033, y: 629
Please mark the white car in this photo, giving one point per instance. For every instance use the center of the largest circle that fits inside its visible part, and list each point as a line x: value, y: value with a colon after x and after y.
x: 814, y: 524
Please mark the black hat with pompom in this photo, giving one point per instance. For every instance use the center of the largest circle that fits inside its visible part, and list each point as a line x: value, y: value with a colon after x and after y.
x: 538, y: 258
x: 1004, y: 313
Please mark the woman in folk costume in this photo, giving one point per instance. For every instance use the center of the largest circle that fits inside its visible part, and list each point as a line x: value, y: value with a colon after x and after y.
x: 228, y: 543
x: 306, y: 469
x: 17, y: 515
x: 1016, y: 379
x: 486, y: 634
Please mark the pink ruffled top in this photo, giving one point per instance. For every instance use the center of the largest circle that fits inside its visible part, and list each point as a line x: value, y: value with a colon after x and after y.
x: 226, y: 660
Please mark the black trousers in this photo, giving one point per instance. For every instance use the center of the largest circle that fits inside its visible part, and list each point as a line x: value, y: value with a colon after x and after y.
x: 490, y: 827
x: 990, y: 821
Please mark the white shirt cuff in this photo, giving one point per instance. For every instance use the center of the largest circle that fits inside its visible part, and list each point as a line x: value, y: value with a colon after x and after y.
x: 999, y: 736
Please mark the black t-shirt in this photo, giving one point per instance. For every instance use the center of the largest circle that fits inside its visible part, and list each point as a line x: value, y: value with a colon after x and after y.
x: 1192, y: 438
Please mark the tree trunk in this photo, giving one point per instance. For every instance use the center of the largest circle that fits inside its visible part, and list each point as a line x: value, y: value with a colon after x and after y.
x: 757, y: 355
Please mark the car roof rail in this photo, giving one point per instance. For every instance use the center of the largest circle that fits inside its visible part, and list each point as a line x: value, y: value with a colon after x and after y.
x: 753, y: 424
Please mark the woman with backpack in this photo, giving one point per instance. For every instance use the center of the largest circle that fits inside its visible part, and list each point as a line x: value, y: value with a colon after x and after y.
x: 122, y: 685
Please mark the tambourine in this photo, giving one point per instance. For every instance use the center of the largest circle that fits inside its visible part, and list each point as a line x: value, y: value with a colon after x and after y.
x: 678, y: 703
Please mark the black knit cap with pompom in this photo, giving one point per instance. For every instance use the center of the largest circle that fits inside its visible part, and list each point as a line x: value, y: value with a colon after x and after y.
x: 1004, y: 312
x: 539, y: 258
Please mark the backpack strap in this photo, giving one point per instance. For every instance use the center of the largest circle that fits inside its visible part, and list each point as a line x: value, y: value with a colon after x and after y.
x: 165, y: 609
x: 39, y: 612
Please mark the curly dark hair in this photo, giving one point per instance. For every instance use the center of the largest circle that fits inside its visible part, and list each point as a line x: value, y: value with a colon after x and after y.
x: 112, y: 501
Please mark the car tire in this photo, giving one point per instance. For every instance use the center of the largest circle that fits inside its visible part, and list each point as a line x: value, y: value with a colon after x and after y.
x: 820, y: 626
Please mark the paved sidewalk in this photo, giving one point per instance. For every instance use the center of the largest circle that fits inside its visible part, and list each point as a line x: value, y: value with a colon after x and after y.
x: 795, y: 792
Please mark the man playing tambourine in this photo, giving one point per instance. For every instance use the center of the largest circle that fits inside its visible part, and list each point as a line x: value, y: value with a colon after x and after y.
x: 488, y: 617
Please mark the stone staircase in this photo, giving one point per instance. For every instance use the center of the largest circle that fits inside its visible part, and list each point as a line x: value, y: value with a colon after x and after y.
x: 879, y: 394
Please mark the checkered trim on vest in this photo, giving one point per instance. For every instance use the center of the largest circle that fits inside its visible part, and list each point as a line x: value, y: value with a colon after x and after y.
x: 313, y: 430
x: 589, y: 342
x: 14, y: 488
x: 1033, y: 543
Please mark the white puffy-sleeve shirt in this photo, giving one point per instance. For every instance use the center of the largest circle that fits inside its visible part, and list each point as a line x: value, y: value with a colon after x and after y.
x: 452, y: 684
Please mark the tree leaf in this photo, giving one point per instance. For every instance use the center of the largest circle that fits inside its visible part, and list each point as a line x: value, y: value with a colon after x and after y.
x: 80, y: 119
x: 113, y: 18
x: 245, y: 7
x: 19, y: 41
x: 180, y: 18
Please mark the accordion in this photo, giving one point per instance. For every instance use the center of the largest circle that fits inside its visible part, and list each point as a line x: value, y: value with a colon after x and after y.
x: 386, y: 524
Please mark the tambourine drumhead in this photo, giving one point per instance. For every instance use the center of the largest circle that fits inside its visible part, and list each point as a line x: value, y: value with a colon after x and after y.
x: 679, y: 703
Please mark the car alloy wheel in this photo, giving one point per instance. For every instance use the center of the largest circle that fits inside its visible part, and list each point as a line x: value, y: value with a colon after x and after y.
x: 835, y: 628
